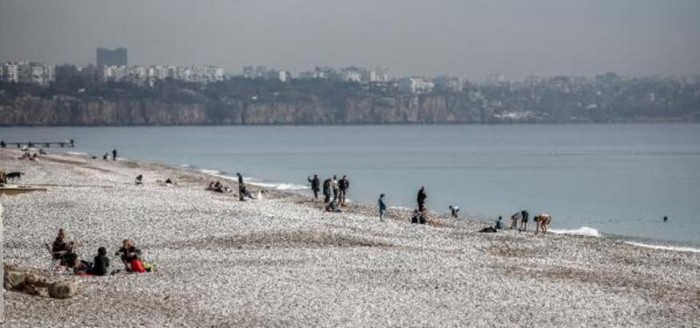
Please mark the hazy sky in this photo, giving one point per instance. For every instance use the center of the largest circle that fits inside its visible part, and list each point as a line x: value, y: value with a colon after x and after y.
x: 409, y: 37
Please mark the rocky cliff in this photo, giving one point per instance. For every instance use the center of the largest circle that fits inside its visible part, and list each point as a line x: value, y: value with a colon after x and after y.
x: 57, y: 111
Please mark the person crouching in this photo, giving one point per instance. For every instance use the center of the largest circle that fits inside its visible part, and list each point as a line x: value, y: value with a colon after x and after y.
x: 543, y: 220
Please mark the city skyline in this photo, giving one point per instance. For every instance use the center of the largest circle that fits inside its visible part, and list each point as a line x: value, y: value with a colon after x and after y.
x: 471, y: 40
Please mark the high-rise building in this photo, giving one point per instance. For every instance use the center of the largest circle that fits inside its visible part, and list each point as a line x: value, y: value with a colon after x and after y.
x: 107, y: 57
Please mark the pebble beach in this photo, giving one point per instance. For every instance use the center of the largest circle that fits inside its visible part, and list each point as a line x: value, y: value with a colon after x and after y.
x: 281, y: 261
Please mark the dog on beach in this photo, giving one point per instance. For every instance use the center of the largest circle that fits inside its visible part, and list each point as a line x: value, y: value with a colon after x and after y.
x: 13, y: 176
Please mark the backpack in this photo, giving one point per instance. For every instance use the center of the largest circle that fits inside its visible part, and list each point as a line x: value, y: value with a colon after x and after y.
x: 137, y: 266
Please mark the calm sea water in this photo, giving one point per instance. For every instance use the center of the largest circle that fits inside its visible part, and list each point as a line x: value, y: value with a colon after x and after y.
x: 618, y: 179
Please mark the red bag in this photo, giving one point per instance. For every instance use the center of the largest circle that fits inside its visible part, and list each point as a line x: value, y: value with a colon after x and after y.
x: 137, y: 266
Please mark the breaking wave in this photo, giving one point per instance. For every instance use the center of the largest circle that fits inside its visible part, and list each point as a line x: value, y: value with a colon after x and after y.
x: 582, y: 231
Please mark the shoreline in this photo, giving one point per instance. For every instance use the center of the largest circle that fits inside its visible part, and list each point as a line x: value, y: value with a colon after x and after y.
x: 301, y: 190
x: 281, y: 261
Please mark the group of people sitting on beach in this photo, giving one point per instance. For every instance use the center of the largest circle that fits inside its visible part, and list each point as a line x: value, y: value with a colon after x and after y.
x: 63, y: 251
x: 27, y: 156
x: 338, y: 187
x: 217, y: 186
x: 243, y: 191
x: 167, y: 182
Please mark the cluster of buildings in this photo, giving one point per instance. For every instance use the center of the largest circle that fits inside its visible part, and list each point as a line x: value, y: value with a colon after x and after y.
x: 112, y: 65
x: 27, y: 72
x: 347, y: 74
x: 150, y: 74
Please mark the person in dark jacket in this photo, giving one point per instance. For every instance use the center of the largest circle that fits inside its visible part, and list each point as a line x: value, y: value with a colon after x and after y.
x: 128, y: 253
x: 343, y: 186
x: 525, y: 217
x: 241, y: 187
x: 315, y: 185
x: 382, y: 207
x: 327, y: 190
x: 114, y: 155
x: 101, y: 263
x: 422, y: 195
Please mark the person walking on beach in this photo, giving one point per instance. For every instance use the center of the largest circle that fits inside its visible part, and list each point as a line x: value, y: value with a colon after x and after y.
x: 327, y: 190
x: 343, y: 186
x: 382, y: 207
x: 315, y: 185
x: 422, y: 195
x: 525, y: 217
x: 241, y: 187
x: 334, y: 185
x: 114, y: 154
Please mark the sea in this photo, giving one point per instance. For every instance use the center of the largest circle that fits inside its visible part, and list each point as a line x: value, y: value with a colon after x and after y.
x: 608, y: 181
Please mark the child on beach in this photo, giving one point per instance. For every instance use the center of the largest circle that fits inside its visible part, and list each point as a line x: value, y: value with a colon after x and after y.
x: 514, y: 220
x: 128, y: 253
x: 101, y: 263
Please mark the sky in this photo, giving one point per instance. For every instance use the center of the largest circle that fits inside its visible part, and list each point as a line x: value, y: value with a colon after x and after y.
x: 466, y: 38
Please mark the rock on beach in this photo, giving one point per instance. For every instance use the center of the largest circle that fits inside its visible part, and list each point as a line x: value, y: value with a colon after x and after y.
x: 283, y: 262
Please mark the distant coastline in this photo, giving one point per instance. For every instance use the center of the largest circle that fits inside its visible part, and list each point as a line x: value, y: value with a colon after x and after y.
x: 241, y: 101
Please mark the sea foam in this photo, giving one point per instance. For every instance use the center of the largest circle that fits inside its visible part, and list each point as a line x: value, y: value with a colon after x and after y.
x: 667, y: 248
x: 582, y: 231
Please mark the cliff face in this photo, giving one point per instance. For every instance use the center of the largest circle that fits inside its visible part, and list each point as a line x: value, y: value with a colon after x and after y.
x: 35, y: 111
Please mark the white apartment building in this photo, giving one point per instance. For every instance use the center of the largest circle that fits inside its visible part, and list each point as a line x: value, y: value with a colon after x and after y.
x: 27, y: 72
x: 415, y: 85
x: 10, y: 72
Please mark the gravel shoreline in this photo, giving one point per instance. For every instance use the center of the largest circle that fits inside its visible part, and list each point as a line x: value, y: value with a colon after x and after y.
x: 281, y: 261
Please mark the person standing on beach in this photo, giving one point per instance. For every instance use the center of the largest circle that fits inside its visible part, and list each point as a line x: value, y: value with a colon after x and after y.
x: 315, y: 185
x: 514, y: 219
x: 327, y: 190
x: 343, y: 186
x: 382, y: 207
x: 114, y: 154
x: 422, y: 195
x: 334, y: 185
x: 525, y: 217
x: 241, y: 187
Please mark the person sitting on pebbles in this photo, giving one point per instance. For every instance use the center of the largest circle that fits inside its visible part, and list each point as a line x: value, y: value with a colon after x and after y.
x: 139, y: 179
x: 543, y: 220
x: 128, y: 254
x: 62, y: 250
